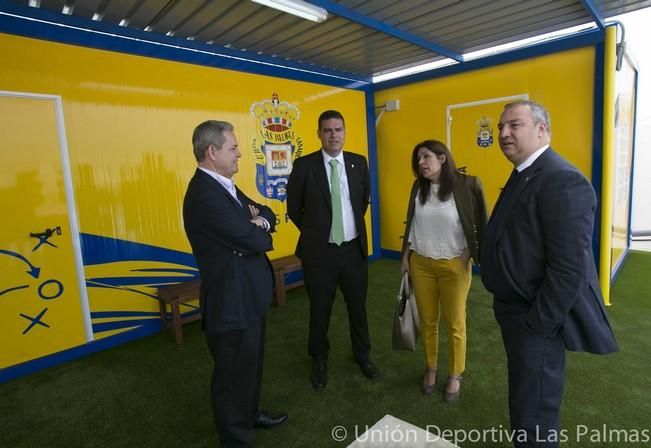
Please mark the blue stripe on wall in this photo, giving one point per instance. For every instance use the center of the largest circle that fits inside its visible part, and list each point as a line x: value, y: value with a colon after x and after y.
x: 109, y: 314
x: 100, y: 249
x: 118, y: 324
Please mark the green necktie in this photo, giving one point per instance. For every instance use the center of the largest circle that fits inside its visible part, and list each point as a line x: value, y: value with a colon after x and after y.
x: 335, y: 196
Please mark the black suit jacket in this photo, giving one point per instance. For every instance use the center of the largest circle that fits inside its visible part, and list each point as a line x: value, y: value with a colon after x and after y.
x: 236, y: 278
x: 537, y: 255
x: 309, y: 205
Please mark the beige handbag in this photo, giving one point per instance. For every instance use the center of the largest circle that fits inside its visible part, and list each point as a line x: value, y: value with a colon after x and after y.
x: 405, y: 318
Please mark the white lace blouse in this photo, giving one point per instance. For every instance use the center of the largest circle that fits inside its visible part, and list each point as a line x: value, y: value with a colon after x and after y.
x: 436, y: 230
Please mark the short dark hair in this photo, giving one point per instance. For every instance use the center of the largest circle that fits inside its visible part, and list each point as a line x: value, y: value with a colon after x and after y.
x: 448, y: 170
x: 208, y: 133
x: 330, y: 114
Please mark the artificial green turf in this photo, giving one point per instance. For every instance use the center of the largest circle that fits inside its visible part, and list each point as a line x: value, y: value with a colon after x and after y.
x: 152, y: 393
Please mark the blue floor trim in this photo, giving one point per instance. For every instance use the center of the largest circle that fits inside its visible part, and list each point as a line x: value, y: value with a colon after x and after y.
x: 36, y: 365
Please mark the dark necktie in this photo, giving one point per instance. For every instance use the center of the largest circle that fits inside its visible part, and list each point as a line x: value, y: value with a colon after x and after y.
x: 512, y: 178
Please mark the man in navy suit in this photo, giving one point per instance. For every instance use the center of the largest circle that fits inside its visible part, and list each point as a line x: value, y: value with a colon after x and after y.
x: 327, y: 197
x: 229, y: 235
x: 537, y: 260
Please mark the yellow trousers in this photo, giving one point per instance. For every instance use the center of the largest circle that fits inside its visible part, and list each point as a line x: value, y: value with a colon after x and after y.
x: 442, y: 285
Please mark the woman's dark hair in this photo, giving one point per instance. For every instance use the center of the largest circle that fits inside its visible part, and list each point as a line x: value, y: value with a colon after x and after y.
x: 448, y: 169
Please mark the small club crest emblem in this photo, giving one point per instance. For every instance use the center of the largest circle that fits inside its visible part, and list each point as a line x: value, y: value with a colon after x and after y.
x: 484, y: 132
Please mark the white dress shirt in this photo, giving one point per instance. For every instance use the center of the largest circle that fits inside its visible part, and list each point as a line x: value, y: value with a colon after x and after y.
x: 229, y: 185
x: 436, y: 230
x: 531, y: 159
x: 350, y: 230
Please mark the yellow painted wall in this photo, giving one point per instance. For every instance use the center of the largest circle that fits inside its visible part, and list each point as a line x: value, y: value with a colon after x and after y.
x: 129, y: 121
x: 563, y: 82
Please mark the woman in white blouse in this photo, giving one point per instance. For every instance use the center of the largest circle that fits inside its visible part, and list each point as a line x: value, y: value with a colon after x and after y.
x: 446, y: 217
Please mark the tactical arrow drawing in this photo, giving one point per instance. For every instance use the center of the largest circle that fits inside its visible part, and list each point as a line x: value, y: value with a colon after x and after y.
x: 33, y: 270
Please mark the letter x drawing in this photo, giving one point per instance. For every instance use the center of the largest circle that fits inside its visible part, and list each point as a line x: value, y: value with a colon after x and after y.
x: 43, y: 238
x: 34, y: 320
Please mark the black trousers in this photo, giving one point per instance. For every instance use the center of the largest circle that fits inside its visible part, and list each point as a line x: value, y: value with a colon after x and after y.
x: 536, y: 378
x: 237, y: 375
x: 347, y: 268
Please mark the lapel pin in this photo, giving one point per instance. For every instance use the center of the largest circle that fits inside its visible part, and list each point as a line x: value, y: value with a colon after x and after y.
x: 352, y: 165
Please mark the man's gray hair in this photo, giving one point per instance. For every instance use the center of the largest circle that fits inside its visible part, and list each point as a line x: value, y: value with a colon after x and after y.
x: 538, y: 112
x: 208, y: 133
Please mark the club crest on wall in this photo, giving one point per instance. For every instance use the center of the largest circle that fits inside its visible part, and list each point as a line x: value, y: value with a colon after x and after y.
x: 484, y: 132
x: 275, y: 145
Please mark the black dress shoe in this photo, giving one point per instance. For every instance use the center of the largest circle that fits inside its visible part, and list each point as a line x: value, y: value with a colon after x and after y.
x: 369, y: 369
x: 319, y: 376
x: 266, y: 421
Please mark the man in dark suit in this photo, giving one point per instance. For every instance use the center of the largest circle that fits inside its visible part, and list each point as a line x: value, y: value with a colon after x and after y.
x: 229, y: 235
x: 537, y: 261
x: 327, y: 197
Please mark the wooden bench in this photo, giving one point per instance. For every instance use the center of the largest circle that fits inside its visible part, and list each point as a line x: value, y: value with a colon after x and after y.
x: 282, y: 266
x: 175, y: 295
x: 179, y: 293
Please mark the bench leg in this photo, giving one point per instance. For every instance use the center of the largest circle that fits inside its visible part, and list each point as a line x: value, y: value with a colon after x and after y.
x: 176, y: 322
x: 281, y: 294
x: 163, y: 314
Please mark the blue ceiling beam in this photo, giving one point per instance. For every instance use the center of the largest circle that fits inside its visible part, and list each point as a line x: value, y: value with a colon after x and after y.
x: 40, y: 23
x: 594, y: 13
x: 385, y: 28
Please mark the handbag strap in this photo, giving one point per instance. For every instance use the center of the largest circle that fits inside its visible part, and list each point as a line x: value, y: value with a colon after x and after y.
x: 404, y: 285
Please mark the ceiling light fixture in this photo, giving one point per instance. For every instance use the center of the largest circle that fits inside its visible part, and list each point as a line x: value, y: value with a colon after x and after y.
x: 298, y: 8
